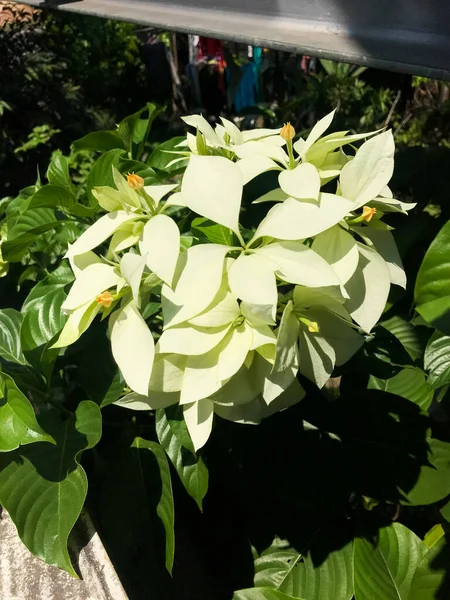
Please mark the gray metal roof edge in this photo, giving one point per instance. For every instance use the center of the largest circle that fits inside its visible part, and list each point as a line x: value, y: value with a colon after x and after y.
x: 315, y: 38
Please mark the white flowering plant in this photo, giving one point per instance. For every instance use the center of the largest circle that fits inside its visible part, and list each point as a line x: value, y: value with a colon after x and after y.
x: 214, y: 281
x: 242, y: 311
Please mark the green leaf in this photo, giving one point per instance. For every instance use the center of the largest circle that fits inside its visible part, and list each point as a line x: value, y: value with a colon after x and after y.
x: 133, y: 129
x: 384, y: 569
x: 99, y: 140
x: 294, y: 573
x: 262, y: 594
x: 432, y: 291
x: 10, y: 324
x: 407, y: 334
x: 445, y: 511
x: 43, y: 487
x: 217, y: 234
x: 433, y: 483
x: 174, y: 438
x: 24, y: 230
x: 430, y: 581
x: 43, y: 317
x: 165, y: 507
x: 410, y: 383
x: 437, y: 360
x: 52, y: 196
x: 101, y: 173
x: 161, y: 157
x: 58, y: 172
x: 18, y: 425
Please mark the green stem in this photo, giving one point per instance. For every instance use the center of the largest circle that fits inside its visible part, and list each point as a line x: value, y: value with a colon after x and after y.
x: 291, y: 154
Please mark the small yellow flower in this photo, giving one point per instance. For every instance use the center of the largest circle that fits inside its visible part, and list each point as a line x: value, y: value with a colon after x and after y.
x: 313, y: 327
x: 135, y: 181
x: 105, y: 299
x: 368, y: 213
x: 287, y: 132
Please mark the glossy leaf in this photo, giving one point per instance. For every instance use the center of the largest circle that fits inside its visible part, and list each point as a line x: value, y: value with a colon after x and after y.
x: 18, y: 424
x: 99, y: 140
x: 217, y: 234
x: 430, y: 581
x: 384, y: 568
x: 433, y: 482
x: 285, y: 569
x: 174, y: 438
x: 262, y: 594
x: 437, y: 360
x: 43, y: 487
x: 432, y: 291
x: 407, y: 334
x: 58, y: 172
x: 10, y: 347
x: 165, y: 507
x: 410, y: 383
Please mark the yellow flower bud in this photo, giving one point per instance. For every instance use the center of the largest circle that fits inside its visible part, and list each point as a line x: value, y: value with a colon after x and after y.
x: 105, y: 299
x: 313, y: 327
x: 135, y: 181
x: 368, y: 213
x: 287, y: 132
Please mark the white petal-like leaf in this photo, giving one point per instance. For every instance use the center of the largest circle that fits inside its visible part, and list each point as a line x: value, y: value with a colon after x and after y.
x: 212, y: 187
x: 272, y: 384
x: 235, y: 351
x: 298, y: 220
x: 260, y: 149
x: 154, y: 401
x: 195, y: 386
x: 302, y: 182
x: 339, y: 249
x: 317, y: 357
x: 363, y: 178
x: 132, y: 347
x: 160, y: 244
x: 198, y: 278
x: 384, y: 244
x: 222, y: 311
x: 276, y: 195
x: 100, y: 231
x: 252, y: 166
x: 233, y: 131
x: 79, y: 262
x: 262, y: 335
x: 167, y: 372
x: 190, y: 340
x: 251, y: 279
x: 204, y: 127
x: 296, y: 263
x: 319, y: 129
x: 368, y: 289
x: 258, y: 134
x: 90, y: 283
x: 286, y: 353
x: 132, y: 266
x: 77, y: 323
x: 157, y: 192
x: 199, y: 420
x: 319, y: 151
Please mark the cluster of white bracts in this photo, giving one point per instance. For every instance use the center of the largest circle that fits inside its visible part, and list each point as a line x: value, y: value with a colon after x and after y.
x: 231, y: 342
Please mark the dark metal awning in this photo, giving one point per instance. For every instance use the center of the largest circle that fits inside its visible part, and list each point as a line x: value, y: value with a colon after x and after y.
x: 410, y: 36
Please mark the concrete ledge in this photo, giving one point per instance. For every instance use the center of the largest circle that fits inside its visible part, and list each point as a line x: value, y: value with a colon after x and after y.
x: 24, y: 577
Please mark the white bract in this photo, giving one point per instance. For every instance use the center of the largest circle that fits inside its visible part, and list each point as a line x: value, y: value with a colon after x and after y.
x: 243, y: 313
